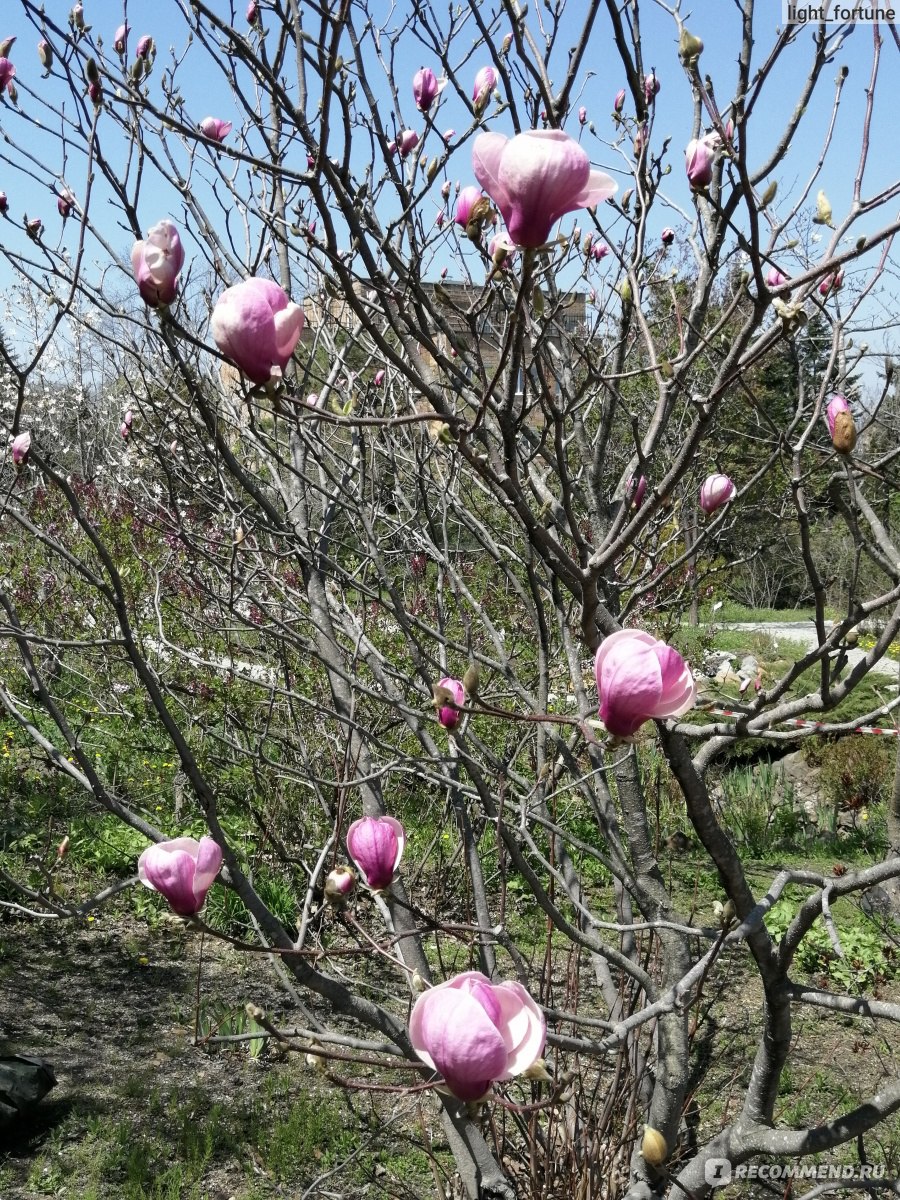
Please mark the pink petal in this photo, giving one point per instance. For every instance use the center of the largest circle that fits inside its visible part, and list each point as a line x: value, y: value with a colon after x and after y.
x: 523, y: 1027
x: 450, y: 1030
x: 486, y: 154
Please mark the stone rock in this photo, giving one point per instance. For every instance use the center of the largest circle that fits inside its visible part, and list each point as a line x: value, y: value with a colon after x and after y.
x: 749, y: 667
x: 714, y: 661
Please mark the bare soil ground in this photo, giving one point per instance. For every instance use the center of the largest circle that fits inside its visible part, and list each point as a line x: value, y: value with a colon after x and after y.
x: 139, y: 1111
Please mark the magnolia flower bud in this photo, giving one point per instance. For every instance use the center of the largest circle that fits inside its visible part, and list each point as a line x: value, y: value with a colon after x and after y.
x: 619, y: 102
x: 654, y: 1150
x: 582, y: 115
x: 4, y: 204
x: 63, y: 848
x: 339, y: 883
x: 5, y: 46
x: 689, y: 48
x: 472, y: 679
x: 45, y: 54
x: 823, y: 210
x: 34, y: 227
x: 91, y: 71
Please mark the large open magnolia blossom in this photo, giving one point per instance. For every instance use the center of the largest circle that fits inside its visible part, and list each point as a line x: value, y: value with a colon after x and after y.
x: 257, y: 327
x: 639, y: 679
x: 476, y: 1032
x: 182, y: 870
x: 535, y: 178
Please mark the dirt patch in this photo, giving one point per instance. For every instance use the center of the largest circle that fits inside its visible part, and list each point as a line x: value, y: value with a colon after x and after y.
x: 139, y: 1110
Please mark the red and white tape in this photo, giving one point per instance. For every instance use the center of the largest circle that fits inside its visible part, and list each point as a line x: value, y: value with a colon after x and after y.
x: 797, y: 723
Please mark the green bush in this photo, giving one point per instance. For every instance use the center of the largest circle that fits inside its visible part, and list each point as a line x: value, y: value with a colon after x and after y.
x: 857, y: 772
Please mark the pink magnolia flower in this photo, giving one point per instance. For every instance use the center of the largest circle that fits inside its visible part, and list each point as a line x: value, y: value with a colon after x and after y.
x: 7, y: 73
x: 698, y: 160
x: 426, y: 88
x: 485, y: 82
x: 376, y: 846
x: 500, y: 249
x: 125, y: 431
x: 156, y: 263
x: 439, y: 219
x: 476, y: 1032
x: 465, y: 203
x: 21, y: 447
x: 716, y: 491
x: 256, y: 325
x: 95, y: 91
x: 651, y: 87
x: 215, y: 128
x: 837, y: 404
x: 64, y: 203
x: 535, y: 178
x: 448, y: 716
x: 636, y: 491
x: 841, y: 426
x: 619, y: 102
x: 120, y: 38
x: 599, y: 251
x: 639, y: 679
x: 34, y: 227
x: 4, y: 204
x: 339, y: 883
x: 667, y: 237
x: 775, y: 278
x: 252, y: 12
x: 831, y: 283
x: 582, y: 115
x: 379, y: 377
x: 182, y: 870
x: 407, y: 142
x: 145, y: 48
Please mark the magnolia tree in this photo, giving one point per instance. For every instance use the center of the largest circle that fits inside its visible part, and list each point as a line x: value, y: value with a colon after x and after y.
x: 370, y: 439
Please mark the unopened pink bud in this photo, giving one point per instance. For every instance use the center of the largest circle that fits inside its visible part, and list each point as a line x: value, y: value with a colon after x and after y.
x: 252, y: 12
x: 45, y: 54
x: 651, y: 87
x: 95, y: 91
x: 7, y: 71
x: 34, y: 227
x: 63, y: 848
x: 4, y: 204
x: 439, y: 219
x: 775, y: 278
x: 407, y: 142
x: 120, y: 38
x: 339, y: 883
x: 146, y: 47
x: 619, y: 102
x: 379, y: 377
x: 582, y: 115
x: 426, y: 88
x: 485, y: 82
x: 215, y: 128
x: 667, y: 237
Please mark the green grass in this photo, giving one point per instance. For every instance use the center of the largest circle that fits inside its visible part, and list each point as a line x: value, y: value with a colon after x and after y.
x: 730, y: 611
x: 282, y: 1136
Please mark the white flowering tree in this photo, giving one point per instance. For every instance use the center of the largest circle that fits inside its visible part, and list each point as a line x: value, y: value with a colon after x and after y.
x: 350, y: 422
